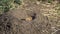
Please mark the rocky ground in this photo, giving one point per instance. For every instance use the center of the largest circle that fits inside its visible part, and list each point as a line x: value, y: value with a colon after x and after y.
x: 32, y: 17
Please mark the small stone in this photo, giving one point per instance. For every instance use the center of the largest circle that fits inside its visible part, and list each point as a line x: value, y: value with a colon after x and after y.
x: 28, y: 18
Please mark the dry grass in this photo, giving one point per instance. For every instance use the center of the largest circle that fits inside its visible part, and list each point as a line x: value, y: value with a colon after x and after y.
x: 46, y: 21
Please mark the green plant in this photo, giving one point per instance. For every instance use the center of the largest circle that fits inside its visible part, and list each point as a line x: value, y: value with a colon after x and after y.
x: 17, y: 2
x: 49, y: 1
x: 5, y: 5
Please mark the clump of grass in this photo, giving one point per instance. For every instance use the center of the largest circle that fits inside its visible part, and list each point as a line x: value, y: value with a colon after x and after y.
x: 17, y: 2
x: 5, y: 5
x: 49, y: 1
x: 58, y: 9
